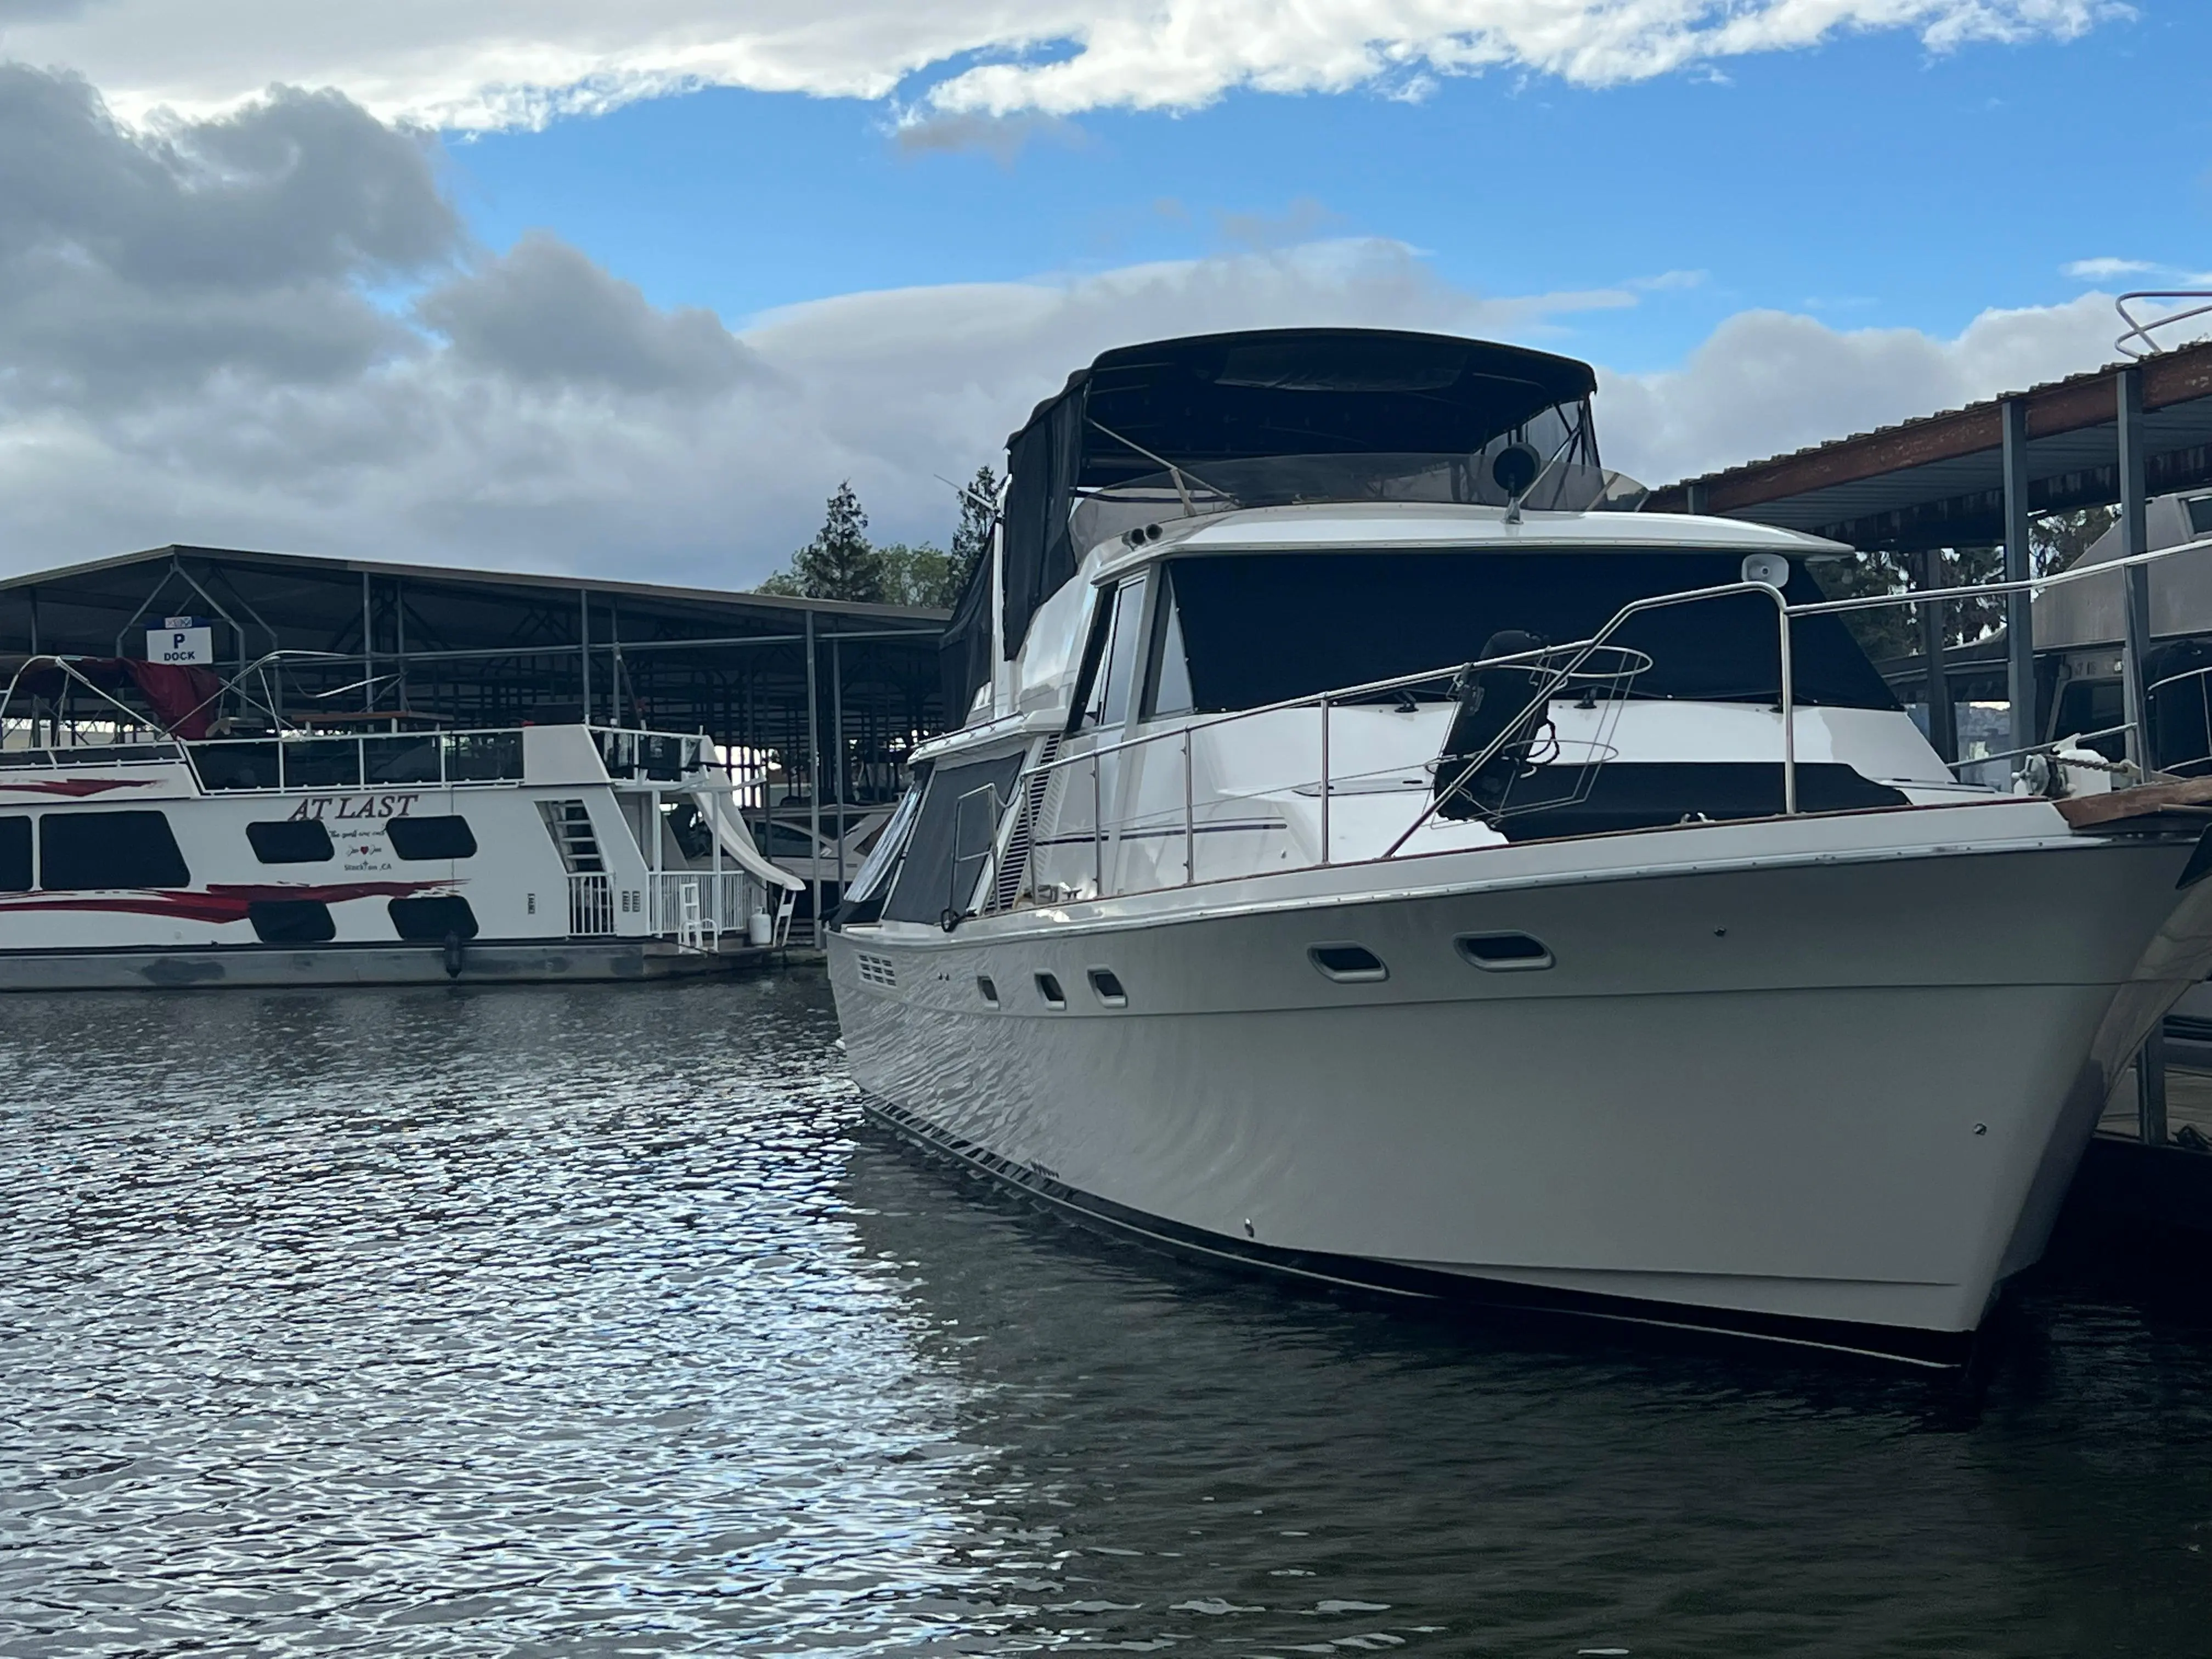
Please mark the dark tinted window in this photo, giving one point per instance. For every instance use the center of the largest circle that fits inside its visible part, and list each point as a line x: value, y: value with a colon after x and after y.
x: 432, y: 919
x: 14, y: 855
x: 291, y: 922
x: 1266, y: 627
x: 433, y: 838
x: 290, y: 840
x: 81, y: 850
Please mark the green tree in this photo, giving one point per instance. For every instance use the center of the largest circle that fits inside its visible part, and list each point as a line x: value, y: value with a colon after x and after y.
x: 920, y: 575
x: 971, y: 539
x: 838, y: 563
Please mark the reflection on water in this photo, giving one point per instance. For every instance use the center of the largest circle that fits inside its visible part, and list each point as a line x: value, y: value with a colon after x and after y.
x: 592, y: 1320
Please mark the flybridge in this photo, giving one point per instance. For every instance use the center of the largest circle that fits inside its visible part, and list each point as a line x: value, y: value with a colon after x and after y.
x: 1211, y: 422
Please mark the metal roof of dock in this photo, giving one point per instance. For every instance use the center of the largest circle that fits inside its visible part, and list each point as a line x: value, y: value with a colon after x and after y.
x: 1938, y: 481
x: 499, y: 646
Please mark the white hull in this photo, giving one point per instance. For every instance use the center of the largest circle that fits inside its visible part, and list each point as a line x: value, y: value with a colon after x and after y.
x: 478, y: 962
x: 1824, y: 1078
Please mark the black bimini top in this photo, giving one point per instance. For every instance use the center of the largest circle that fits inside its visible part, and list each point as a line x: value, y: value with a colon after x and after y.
x: 1220, y: 397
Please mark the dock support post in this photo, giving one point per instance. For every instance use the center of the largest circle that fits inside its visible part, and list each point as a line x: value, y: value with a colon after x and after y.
x: 584, y: 651
x: 1694, y: 497
x: 367, y: 648
x: 2135, y: 532
x: 2150, y: 1087
x: 1943, y: 717
x: 814, y: 774
x: 838, y: 742
x: 2019, y: 607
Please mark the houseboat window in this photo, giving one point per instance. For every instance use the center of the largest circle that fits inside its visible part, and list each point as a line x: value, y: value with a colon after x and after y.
x: 322, y: 764
x: 235, y: 765
x: 431, y: 920
x: 484, y: 757
x: 81, y: 851
x: 406, y: 758
x: 15, y: 854
x: 951, y: 838
x: 1265, y: 627
x: 441, y: 837
x: 1109, y: 661
x: 290, y: 841
x: 291, y: 922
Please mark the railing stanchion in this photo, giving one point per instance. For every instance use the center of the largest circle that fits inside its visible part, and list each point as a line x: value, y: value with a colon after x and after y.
x: 1189, y: 823
x: 1788, y: 714
x: 1097, y: 830
x: 1324, y: 780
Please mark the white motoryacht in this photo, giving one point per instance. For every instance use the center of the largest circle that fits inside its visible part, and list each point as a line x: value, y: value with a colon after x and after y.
x: 1373, y: 853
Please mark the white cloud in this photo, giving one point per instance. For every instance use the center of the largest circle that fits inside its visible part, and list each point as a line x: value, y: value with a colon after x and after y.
x: 1767, y: 382
x: 186, y: 355
x: 466, y: 63
x: 2105, y: 269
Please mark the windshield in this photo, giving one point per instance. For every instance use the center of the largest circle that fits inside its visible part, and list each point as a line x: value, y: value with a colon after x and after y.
x: 1245, y: 630
x: 1568, y: 484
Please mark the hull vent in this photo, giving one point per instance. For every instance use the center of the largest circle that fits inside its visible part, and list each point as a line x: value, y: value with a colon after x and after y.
x: 877, y: 970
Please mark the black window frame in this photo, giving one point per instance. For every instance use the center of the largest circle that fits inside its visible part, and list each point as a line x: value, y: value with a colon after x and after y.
x: 16, y: 826
x: 69, y: 840
x: 424, y: 831
x: 268, y: 837
x: 431, y: 919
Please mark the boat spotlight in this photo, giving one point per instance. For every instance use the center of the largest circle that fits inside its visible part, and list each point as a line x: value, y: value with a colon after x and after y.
x: 1515, y: 468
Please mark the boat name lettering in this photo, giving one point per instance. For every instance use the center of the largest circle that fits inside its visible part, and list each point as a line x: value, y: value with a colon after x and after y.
x: 356, y: 806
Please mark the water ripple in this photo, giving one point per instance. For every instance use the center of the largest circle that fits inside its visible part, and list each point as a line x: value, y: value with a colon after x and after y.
x: 590, y: 1320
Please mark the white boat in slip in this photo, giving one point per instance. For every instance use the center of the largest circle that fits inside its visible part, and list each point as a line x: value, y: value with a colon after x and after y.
x: 1372, y: 853
x: 302, y: 857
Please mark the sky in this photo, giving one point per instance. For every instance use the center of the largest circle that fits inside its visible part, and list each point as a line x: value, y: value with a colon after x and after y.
x: 629, y: 290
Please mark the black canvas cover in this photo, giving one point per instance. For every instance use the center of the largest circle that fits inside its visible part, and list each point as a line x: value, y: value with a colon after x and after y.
x: 947, y: 833
x: 1217, y: 397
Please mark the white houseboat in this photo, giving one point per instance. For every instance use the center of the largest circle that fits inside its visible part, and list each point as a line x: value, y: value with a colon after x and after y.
x: 1373, y: 855
x: 311, y: 857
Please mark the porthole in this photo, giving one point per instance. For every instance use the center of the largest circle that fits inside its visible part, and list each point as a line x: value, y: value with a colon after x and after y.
x: 1505, y: 953
x: 1108, y: 985
x: 986, y: 990
x: 1048, y: 989
x: 1349, y: 964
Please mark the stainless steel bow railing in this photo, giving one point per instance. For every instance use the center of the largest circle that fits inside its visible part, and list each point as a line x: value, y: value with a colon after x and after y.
x: 1555, y: 669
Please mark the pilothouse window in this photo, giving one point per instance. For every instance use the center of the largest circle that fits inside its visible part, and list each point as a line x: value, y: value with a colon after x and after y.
x: 1109, y: 662
x: 1266, y: 627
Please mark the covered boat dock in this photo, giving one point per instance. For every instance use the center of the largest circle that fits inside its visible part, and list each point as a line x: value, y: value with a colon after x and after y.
x: 1978, y: 477
x: 797, y: 691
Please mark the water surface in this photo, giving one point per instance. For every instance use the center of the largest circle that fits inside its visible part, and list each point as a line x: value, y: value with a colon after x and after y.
x: 593, y: 1321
